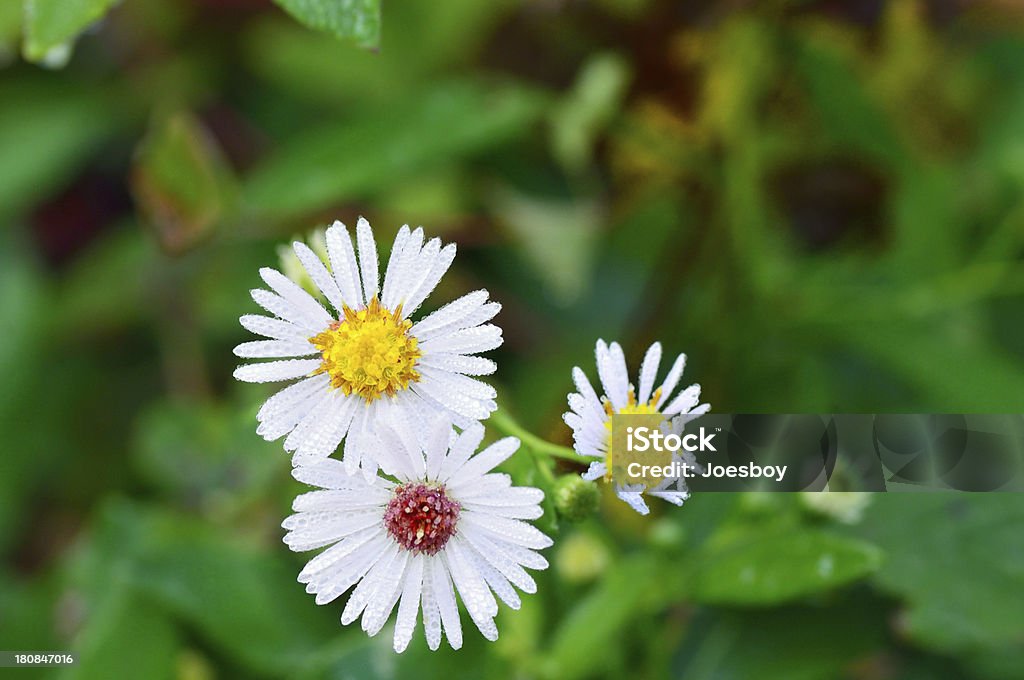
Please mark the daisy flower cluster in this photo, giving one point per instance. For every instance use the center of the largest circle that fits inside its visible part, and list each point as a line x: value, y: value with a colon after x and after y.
x: 381, y: 414
x: 410, y: 514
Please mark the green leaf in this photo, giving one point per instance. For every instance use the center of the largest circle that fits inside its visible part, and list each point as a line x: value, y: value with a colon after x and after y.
x: 423, y: 38
x: 632, y: 589
x: 91, y: 293
x: 557, y: 237
x: 764, y: 568
x: 23, y: 297
x: 594, y: 100
x: 788, y: 643
x: 28, y: 606
x: 182, y: 182
x: 126, y: 637
x: 356, y: 20
x: 342, y: 160
x: 50, y: 24
x: 207, y: 452
x: 241, y: 598
x: 956, y: 560
x: 975, y: 376
x: 848, y: 115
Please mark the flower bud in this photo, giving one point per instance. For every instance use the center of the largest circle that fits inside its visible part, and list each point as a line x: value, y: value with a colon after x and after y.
x: 576, y: 498
x: 292, y: 267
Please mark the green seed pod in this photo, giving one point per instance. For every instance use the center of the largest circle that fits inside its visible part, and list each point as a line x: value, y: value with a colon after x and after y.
x: 576, y: 498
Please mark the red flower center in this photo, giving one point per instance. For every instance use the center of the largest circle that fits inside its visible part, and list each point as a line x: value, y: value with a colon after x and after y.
x: 421, y: 517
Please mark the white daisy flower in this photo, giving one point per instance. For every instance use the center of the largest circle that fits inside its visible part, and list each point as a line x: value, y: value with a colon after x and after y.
x: 590, y: 416
x: 445, y: 526
x: 366, y: 360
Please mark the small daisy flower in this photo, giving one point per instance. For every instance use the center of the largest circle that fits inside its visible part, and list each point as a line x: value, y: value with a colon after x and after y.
x: 589, y: 416
x: 442, y: 526
x: 367, y: 359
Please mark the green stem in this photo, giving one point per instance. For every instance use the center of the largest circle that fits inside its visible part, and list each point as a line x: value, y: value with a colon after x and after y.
x: 507, y: 425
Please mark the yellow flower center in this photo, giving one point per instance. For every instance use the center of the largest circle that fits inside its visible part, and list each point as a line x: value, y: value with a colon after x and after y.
x: 369, y: 352
x: 632, y: 408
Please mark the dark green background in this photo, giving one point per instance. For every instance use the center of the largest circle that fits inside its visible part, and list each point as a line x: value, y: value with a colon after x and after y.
x: 822, y: 203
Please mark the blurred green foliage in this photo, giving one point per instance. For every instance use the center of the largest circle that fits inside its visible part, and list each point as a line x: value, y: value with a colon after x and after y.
x: 821, y: 203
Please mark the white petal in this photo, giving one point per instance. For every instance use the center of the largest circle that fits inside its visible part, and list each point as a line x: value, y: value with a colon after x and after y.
x: 445, y: 595
x: 491, y: 483
x: 289, y: 406
x: 272, y: 328
x: 274, y: 371
x: 478, y: 316
x: 523, y: 556
x: 692, y: 414
x: 456, y: 382
x: 296, y: 296
x: 320, y: 410
x: 460, y: 404
x: 674, y: 374
x: 415, y: 272
x: 367, y: 258
x: 611, y: 369
x: 395, y: 458
x: 634, y: 499
x: 325, y: 437
x: 485, y: 461
x: 437, y: 270
x: 361, y: 498
x: 451, y: 313
x: 393, y: 259
x: 458, y: 363
x: 648, y: 372
x: 308, y: 531
x: 465, y: 444
x: 509, y: 530
x: 336, y: 553
x: 595, y: 471
x: 476, y: 596
x: 501, y: 561
x: 272, y: 349
x: 437, y: 447
x: 400, y: 269
x: 353, y: 453
x: 383, y: 601
x: 528, y: 512
x: 328, y: 474
x: 504, y: 496
x: 409, y: 604
x: 415, y: 432
x: 686, y: 400
x: 292, y: 394
x: 586, y: 390
x: 673, y: 497
x: 431, y: 614
x: 343, y: 265
x: 359, y: 598
x: 278, y: 306
x: 496, y: 582
x: 317, y: 271
x: 336, y: 579
x: 466, y: 341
